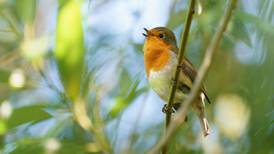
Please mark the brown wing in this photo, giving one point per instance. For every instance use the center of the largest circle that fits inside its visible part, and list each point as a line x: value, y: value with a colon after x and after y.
x: 190, y: 71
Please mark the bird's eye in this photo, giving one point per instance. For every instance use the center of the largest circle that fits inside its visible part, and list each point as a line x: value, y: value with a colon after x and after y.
x: 161, y: 35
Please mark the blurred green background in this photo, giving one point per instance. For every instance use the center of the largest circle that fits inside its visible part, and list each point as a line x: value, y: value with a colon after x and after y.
x: 72, y: 78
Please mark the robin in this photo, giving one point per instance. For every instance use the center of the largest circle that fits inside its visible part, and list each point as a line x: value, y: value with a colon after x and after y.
x: 160, y: 58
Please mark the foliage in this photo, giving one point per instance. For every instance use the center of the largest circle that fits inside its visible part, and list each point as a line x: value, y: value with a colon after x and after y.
x: 66, y: 86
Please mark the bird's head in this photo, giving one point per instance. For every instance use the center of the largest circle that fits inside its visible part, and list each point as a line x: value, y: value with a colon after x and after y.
x: 160, y: 36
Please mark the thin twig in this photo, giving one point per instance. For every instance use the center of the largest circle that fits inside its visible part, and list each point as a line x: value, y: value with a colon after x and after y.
x: 81, y: 115
x: 136, y: 123
x: 96, y: 128
x: 94, y: 125
x: 5, y: 30
x: 53, y: 87
x: 180, y: 58
x: 99, y: 125
x: 11, y: 23
x: 210, y: 52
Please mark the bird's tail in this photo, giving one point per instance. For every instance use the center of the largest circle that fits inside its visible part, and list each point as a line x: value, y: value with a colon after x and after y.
x: 199, y: 106
x: 205, y: 126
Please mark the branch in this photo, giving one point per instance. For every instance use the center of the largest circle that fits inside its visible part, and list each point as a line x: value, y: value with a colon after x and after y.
x: 11, y: 23
x: 96, y: 128
x: 180, y: 58
x: 210, y: 52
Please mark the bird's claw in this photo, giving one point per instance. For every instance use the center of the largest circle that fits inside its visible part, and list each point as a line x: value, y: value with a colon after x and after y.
x: 172, y: 110
x: 166, y: 109
x: 181, y: 66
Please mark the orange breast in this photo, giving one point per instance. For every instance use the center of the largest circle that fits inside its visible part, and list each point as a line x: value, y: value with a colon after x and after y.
x: 156, y: 55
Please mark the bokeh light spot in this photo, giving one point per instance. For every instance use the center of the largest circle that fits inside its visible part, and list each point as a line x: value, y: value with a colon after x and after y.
x: 17, y: 78
x: 5, y: 110
x: 232, y: 115
x: 52, y: 145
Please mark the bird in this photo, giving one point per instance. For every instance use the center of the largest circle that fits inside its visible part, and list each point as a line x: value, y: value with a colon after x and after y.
x: 160, y: 60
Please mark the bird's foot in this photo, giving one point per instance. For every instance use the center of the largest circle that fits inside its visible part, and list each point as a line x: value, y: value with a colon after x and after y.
x: 182, y: 66
x: 206, y: 127
x: 166, y: 109
x: 174, y: 108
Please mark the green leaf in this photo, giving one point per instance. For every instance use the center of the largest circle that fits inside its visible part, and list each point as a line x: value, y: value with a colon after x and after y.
x: 239, y: 31
x: 26, y: 9
x: 125, y: 82
x: 123, y: 101
x: 69, y: 50
x: 27, y: 114
x: 37, y: 149
x: 3, y: 127
x: 260, y: 24
x: 71, y: 148
x: 4, y: 76
x: 120, y: 104
x: 26, y: 145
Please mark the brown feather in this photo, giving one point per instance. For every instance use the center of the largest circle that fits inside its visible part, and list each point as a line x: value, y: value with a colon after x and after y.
x: 188, y: 69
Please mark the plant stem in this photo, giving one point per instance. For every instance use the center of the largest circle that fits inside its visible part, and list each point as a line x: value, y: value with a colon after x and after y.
x: 95, y: 127
x: 182, y: 49
x: 11, y: 23
x: 210, y: 52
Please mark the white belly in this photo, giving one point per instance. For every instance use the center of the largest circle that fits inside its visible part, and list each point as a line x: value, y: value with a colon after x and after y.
x: 161, y: 81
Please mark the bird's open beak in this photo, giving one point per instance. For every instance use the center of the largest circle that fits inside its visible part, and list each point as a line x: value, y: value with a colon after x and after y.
x: 146, y: 34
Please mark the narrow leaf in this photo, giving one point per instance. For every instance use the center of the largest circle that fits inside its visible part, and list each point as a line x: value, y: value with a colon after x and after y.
x: 27, y: 114
x: 69, y: 50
